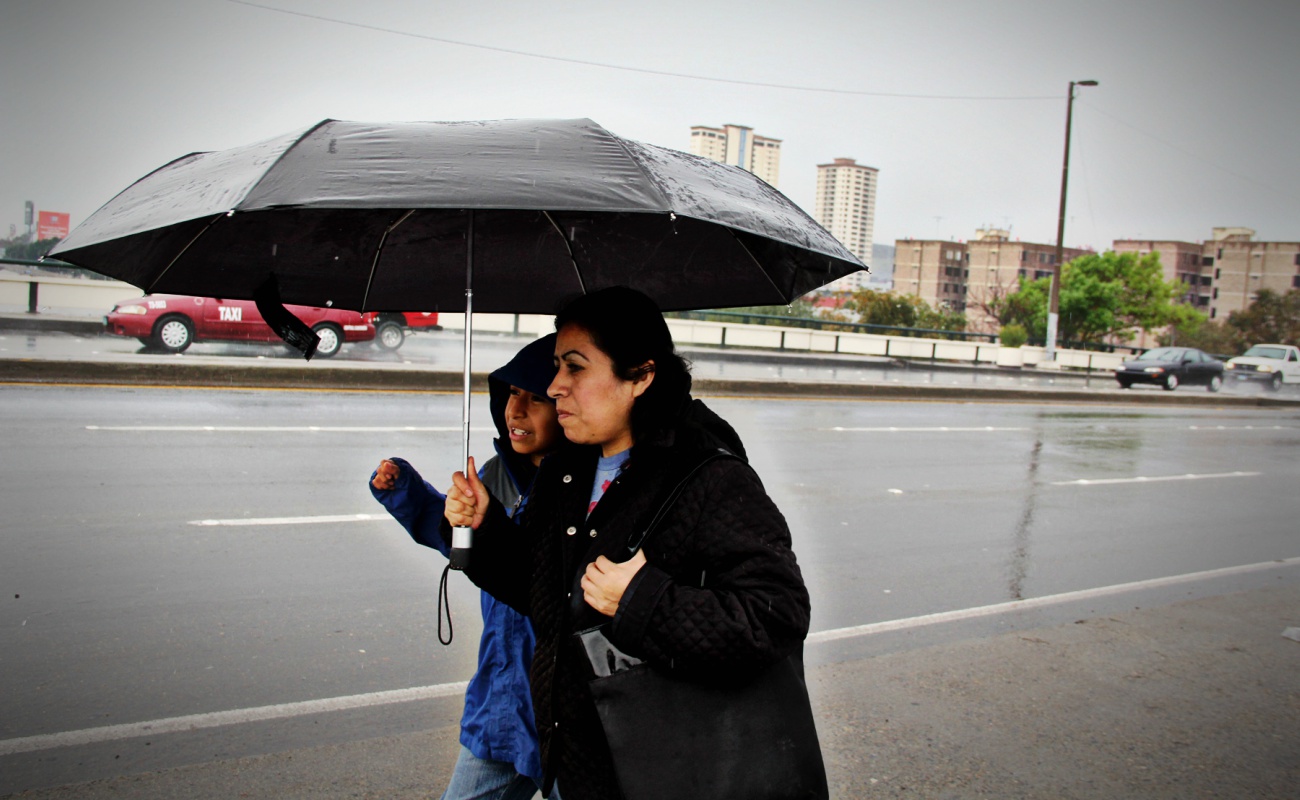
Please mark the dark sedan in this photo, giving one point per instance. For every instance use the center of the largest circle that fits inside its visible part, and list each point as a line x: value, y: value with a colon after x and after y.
x: 1170, y: 367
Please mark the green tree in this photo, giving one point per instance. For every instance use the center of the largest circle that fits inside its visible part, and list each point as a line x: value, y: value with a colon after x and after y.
x: 940, y: 319
x: 885, y: 308
x: 29, y: 251
x: 801, y: 307
x: 903, y: 311
x: 1102, y: 295
x: 1272, y: 317
x: 1217, y: 338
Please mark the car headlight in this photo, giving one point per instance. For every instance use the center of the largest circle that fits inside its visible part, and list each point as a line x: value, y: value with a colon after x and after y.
x: 1265, y: 368
x: 1154, y: 370
x: 1229, y: 366
x: 131, y: 310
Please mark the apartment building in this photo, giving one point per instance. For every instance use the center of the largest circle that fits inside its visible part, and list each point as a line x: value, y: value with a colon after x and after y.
x: 968, y: 276
x: 739, y: 146
x: 1224, y: 273
x: 845, y: 205
x: 1182, y: 262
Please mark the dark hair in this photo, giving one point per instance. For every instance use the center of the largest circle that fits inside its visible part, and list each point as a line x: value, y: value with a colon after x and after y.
x: 628, y: 327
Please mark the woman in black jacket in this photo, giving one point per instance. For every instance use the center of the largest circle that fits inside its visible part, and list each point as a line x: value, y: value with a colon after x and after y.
x: 716, y: 593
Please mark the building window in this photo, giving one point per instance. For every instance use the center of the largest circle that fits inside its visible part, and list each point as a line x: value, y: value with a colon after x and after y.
x: 1216, y: 273
x: 1214, y: 312
x: 1295, y: 282
x: 1216, y: 293
x: 1208, y: 261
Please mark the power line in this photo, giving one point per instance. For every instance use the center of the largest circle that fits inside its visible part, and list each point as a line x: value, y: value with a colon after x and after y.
x: 625, y: 68
x: 1190, y: 154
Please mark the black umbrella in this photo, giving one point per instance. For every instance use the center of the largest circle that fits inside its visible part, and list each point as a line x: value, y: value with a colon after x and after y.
x: 377, y: 217
x: 501, y: 216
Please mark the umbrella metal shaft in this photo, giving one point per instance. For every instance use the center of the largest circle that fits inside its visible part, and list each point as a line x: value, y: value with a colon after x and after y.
x: 462, y: 539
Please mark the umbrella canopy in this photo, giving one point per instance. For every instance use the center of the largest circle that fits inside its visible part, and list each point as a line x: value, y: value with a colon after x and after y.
x: 387, y: 217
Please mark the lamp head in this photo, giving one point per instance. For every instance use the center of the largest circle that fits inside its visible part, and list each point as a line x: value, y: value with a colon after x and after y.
x: 1085, y: 83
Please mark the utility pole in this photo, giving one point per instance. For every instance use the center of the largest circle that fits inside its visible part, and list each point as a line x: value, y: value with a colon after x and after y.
x: 1054, y: 304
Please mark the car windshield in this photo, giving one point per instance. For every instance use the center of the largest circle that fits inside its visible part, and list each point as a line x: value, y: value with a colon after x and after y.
x: 1261, y: 351
x: 1160, y: 354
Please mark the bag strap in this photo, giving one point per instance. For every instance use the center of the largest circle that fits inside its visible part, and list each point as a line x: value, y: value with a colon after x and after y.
x: 635, y: 545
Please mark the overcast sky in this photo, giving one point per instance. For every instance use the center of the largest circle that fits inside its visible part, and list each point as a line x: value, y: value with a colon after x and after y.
x: 1195, y: 124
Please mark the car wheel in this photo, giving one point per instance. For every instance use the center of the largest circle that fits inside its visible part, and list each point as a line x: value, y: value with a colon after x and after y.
x: 1171, y: 382
x: 1275, y: 383
x: 390, y: 335
x: 174, y: 334
x: 1216, y: 383
x: 1123, y: 384
x: 331, y: 339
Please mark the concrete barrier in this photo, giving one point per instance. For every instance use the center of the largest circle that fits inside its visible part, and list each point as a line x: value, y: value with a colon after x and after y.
x: 60, y: 295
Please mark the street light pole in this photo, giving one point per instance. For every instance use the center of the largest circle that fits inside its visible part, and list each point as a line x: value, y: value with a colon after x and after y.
x: 1054, y: 304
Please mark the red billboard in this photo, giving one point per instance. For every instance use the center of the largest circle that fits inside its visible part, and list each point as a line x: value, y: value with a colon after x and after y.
x: 51, y: 225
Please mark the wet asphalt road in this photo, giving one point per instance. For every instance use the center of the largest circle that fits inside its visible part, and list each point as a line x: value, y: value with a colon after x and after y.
x: 134, y: 587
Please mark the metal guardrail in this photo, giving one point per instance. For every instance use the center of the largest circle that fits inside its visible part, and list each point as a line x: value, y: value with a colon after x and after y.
x: 829, y: 326
x: 858, y: 327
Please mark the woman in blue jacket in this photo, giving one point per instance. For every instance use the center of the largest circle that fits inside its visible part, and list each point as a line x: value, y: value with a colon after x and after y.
x: 499, y: 754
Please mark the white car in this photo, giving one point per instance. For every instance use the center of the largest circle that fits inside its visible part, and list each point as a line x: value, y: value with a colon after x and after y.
x: 1273, y: 364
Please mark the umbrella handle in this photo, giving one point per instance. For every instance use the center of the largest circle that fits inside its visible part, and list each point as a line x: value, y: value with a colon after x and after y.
x: 462, y: 539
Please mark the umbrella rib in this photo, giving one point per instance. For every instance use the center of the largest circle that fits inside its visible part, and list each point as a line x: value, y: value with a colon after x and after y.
x: 780, y: 295
x: 576, y: 270
x: 149, y: 289
x: 379, y: 251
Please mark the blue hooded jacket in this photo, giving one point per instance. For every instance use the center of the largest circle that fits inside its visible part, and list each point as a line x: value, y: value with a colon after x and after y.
x: 497, y: 723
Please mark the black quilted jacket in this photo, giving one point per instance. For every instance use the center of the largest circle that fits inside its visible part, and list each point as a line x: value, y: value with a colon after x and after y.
x: 720, y: 596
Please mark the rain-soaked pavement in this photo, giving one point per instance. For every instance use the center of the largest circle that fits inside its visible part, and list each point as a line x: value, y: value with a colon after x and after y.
x: 173, y: 553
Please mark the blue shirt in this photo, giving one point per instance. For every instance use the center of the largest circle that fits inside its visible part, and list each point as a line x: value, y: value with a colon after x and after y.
x: 607, y: 469
x: 497, y: 723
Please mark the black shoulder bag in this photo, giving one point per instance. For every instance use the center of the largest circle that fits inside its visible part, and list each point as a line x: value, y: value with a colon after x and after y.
x: 673, y: 739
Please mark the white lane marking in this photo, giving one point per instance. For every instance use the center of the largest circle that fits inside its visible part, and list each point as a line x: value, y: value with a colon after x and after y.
x: 1156, y: 478
x: 288, y: 520
x: 285, y: 428
x: 1039, y: 602
x: 932, y: 429
x: 1242, y: 428
x: 216, y: 719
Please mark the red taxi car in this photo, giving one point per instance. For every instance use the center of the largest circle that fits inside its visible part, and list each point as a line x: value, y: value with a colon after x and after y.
x: 391, y: 326
x: 173, y: 322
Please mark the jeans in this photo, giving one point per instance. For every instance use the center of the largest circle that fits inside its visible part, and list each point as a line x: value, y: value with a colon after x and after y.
x: 480, y: 779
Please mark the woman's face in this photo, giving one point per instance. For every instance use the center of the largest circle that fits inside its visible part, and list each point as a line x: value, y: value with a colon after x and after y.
x: 531, y: 423
x: 593, y: 403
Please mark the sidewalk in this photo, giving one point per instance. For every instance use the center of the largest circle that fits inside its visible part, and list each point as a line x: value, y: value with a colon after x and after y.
x: 1195, y: 699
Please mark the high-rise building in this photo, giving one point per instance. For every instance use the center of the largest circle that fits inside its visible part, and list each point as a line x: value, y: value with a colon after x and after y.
x: 846, y: 206
x: 739, y: 146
